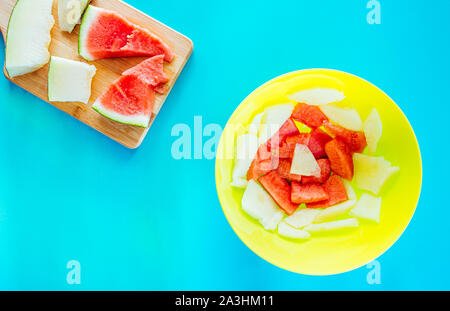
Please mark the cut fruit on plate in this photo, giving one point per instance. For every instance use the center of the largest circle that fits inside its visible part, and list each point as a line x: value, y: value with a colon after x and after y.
x: 273, y: 119
x: 280, y: 190
x: 69, y: 80
x: 304, y: 163
x: 345, y: 117
x: 336, y: 193
x: 246, y: 148
x: 341, y: 161
x: 28, y: 37
x: 373, y: 128
x: 289, y: 232
x: 69, y: 13
x: 350, y: 191
x: 258, y: 204
x: 302, y: 217
x: 368, y: 207
x: 308, y: 193
x: 106, y: 34
x: 372, y: 172
x: 334, y: 211
x: 317, y: 96
x: 333, y: 225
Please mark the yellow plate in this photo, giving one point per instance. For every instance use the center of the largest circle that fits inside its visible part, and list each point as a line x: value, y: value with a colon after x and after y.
x: 334, y: 252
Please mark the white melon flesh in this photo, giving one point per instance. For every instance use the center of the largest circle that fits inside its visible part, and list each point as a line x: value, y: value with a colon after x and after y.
x: 259, y: 204
x: 345, y: 117
x: 69, y: 80
x: 254, y: 126
x: 372, y: 172
x: 289, y: 232
x: 302, y: 217
x: 28, y: 36
x: 334, y: 211
x: 246, y: 148
x: 274, y: 117
x: 373, y: 128
x: 304, y: 163
x: 368, y: 207
x: 333, y: 225
x: 317, y: 96
x: 69, y: 13
x: 350, y: 191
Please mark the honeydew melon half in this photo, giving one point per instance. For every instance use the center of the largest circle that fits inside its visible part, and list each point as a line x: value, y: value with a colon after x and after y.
x: 69, y: 13
x: 28, y: 36
x: 69, y: 80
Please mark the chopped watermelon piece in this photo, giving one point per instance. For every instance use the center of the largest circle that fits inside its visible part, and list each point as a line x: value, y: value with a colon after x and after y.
x: 284, y: 169
x: 317, y: 143
x: 280, y: 190
x: 355, y: 141
x: 287, y: 129
x: 312, y: 116
x: 105, y: 34
x: 340, y: 158
x: 258, y: 168
x: 309, y: 193
x: 325, y: 171
x: 150, y: 71
x: 287, y: 148
x: 336, y: 191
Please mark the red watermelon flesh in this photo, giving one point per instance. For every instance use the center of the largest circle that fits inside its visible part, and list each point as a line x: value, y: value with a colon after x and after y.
x: 312, y: 116
x: 340, y: 157
x: 287, y: 148
x: 309, y: 193
x: 284, y: 169
x: 106, y: 34
x: 150, y: 71
x: 280, y: 190
x: 336, y: 191
x: 287, y: 129
x: 355, y: 141
x: 128, y: 100
x: 325, y: 171
x: 317, y: 143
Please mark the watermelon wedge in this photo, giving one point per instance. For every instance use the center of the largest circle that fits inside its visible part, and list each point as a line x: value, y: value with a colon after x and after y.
x: 150, y: 72
x: 106, y: 34
x: 337, y: 193
x: 280, y: 190
x: 309, y: 193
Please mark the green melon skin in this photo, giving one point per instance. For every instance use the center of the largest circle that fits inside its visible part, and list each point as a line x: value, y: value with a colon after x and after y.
x: 106, y: 115
x: 88, y: 17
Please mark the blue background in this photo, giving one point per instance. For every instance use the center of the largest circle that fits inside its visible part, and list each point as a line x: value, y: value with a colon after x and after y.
x: 141, y: 220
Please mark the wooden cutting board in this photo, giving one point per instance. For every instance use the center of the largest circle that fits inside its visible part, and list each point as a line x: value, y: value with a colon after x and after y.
x: 65, y: 45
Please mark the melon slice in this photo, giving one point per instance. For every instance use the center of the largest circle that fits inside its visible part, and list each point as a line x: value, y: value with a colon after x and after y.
x: 246, y: 148
x: 333, y: 225
x: 302, y: 217
x: 258, y: 204
x: 345, y: 117
x: 304, y: 163
x: 317, y: 96
x: 273, y: 119
x: 372, y: 172
x: 69, y: 80
x: 334, y: 211
x: 106, y: 34
x: 373, y: 128
x: 128, y: 100
x: 28, y: 36
x: 368, y: 207
x: 69, y: 13
x: 289, y: 232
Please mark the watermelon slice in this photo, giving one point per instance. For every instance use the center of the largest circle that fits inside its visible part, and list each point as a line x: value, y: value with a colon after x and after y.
x: 287, y: 148
x: 106, y: 34
x: 280, y: 190
x: 312, y: 116
x: 150, y: 71
x: 287, y: 129
x: 317, y: 143
x: 128, y: 100
x: 340, y: 158
x: 309, y: 193
x: 325, y: 171
x: 336, y: 191
x: 355, y: 141
x: 284, y: 169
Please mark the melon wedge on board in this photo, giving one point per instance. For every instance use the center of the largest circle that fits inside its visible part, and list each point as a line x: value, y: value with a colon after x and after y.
x: 69, y: 13
x: 69, y: 80
x: 28, y: 36
x: 106, y: 34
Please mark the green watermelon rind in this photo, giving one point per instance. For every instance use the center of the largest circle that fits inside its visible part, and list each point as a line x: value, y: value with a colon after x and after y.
x: 88, y: 17
x: 99, y: 109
